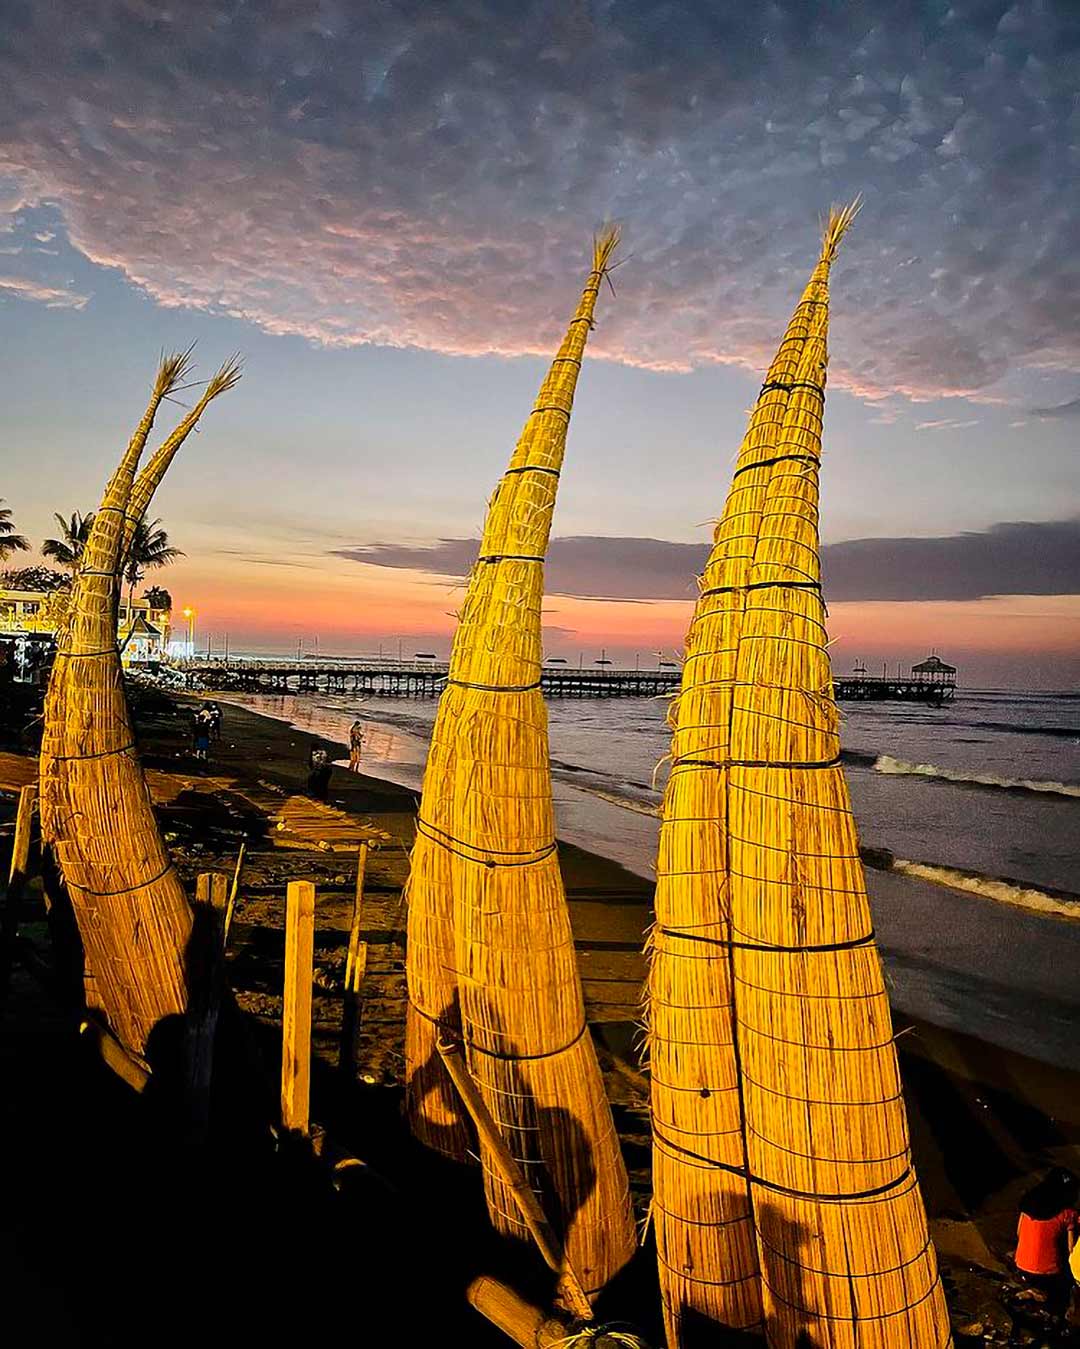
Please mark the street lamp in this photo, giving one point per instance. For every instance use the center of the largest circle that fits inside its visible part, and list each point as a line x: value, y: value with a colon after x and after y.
x: 189, y: 614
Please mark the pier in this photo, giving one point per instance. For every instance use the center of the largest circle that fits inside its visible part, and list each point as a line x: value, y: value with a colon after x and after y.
x: 932, y: 682
x: 409, y: 679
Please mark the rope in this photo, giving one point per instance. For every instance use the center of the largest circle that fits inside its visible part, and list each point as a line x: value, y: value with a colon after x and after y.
x: 98, y: 754
x: 744, y: 1173
x: 509, y: 557
x: 788, y: 385
x: 495, y: 688
x: 533, y: 468
x: 761, y: 585
x: 127, y: 890
x: 755, y: 763
x: 778, y: 459
x: 732, y: 945
x: 529, y: 858
x: 497, y: 1054
x: 550, y: 407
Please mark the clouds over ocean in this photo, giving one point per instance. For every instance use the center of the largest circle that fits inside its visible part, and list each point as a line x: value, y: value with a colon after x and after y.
x: 422, y: 175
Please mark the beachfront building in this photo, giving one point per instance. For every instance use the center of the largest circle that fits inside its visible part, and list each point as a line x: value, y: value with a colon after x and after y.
x: 29, y: 619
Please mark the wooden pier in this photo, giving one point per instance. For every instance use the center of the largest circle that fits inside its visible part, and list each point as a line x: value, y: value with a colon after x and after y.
x: 408, y: 679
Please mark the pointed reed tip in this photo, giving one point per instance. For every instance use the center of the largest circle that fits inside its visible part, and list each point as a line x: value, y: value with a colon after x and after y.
x: 227, y: 376
x: 839, y: 222
x: 605, y: 242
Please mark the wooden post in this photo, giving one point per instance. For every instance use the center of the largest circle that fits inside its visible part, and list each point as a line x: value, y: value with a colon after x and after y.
x: 17, y: 878
x: 296, y: 1008
x: 206, y: 978
x: 113, y: 1053
x: 355, y: 968
x: 512, y: 1176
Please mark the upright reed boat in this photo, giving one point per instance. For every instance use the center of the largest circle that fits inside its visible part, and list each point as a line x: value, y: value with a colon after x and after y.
x: 784, y: 1196
x: 133, y: 915
x: 491, y: 956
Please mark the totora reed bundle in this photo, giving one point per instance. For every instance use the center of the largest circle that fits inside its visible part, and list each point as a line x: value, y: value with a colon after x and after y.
x: 491, y: 955
x: 133, y: 915
x: 785, y: 1198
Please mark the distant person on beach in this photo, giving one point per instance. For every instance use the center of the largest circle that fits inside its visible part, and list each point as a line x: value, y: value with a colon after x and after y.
x: 356, y: 744
x: 213, y: 711
x: 319, y: 767
x: 200, y: 734
x: 1046, y: 1235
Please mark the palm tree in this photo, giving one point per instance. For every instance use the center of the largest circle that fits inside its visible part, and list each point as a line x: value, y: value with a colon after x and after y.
x: 150, y: 549
x: 10, y: 542
x: 68, y: 548
x: 158, y: 597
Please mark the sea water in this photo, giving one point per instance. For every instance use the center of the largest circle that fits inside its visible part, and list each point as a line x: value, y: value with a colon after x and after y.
x: 988, y: 785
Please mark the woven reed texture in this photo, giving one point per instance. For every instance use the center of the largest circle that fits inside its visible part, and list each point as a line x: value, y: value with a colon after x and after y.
x: 782, y: 1171
x: 486, y: 847
x: 133, y: 915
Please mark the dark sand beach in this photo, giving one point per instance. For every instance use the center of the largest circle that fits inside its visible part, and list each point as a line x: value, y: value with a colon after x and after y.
x: 984, y: 1119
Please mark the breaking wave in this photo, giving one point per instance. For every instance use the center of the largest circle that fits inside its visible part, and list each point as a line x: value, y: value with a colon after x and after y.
x: 885, y: 763
x: 1003, y: 891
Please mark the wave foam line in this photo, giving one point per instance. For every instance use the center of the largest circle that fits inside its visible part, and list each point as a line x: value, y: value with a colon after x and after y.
x: 988, y: 887
x: 885, y: 763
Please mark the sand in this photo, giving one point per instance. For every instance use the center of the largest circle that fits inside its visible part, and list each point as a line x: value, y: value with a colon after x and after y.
x: 81, y: 1160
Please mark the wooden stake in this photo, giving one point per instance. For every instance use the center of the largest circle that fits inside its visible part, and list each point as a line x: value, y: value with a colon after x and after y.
x: 233, y: 892
x: 355, y: 968
x: 206, y: 980
x: 512, y: 1176
x: 17, y: 878
x: 296, y: 1010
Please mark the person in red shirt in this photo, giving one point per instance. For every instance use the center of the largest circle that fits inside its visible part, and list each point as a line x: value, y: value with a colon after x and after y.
x: 1046, y: 1234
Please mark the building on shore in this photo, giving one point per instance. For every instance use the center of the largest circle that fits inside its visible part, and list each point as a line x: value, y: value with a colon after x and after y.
x: 29, y: 619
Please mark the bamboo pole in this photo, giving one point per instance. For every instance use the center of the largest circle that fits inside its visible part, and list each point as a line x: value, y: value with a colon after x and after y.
x: 296, y: 1007
x: 512, y: 1176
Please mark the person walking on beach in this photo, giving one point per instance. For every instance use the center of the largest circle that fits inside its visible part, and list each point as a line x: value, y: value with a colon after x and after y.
x: 214, y: 712
x: 356, y: 744
x: 1046, y: 1235
x: 200, y: 734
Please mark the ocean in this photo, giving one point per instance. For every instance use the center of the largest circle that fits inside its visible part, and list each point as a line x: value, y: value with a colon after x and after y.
x: 983, y: 793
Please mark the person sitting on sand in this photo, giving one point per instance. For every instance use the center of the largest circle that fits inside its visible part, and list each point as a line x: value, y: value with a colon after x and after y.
x: 1046, y: 1234
x: 356, y: 744
x: 319, y: 773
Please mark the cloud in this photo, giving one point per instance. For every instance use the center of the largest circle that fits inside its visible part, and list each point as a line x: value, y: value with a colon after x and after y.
x: 49, y: 296
x: 946, y: 424
x: 426, y: 175
x: 1013, y: 558
x: 1070, y: 409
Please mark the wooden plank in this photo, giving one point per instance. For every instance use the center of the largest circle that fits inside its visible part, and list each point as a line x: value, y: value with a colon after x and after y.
x: 114, y: 1055
x: 355, y: 968
x: 296, y: 1010
x: 233, y: 892
x: 206, y: 979
x: 18, y: 874
x: 502, y: 1159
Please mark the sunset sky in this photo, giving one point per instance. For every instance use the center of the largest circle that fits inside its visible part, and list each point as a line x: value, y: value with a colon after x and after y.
x: 387, y: 208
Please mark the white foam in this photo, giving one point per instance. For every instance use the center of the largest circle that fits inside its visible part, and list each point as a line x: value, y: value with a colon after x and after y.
x: 987, y: 887
x: 885, y: 763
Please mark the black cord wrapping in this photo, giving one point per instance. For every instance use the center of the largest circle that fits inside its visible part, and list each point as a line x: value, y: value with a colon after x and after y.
x: 525, y: 859
x: 755, y: 763
x: 495, y: 688
x: 788, y: 385
x: 777, y: 459
x: 494, y: 1053
x: 729, y: 944
x: 533, y: 468
x: 761, y: 585
x: 509, y: 557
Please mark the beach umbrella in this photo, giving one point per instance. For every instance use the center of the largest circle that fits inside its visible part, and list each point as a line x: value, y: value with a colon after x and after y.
x: 133, y: 915
x: 496, y: 963
x: 770, y: 931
